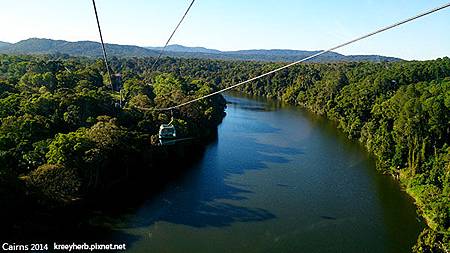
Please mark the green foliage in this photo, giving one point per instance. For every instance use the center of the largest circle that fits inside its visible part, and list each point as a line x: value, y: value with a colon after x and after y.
x: 54, y: 182
x: 399, y: 111
x: 61, y: 112
x: 430, y: 241
x: 106, y: 134
x: 68, y: 149
x: 140, y: 101
x: 166, y: 84
x: 59, y: 121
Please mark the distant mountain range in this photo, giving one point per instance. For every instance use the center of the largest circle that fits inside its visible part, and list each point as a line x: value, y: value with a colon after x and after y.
x: 4, y: 44
x: 183, y: 49
x: 93, y: 49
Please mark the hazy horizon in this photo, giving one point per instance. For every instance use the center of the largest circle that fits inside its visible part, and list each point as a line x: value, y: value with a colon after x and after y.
x: 176, y: 44
x: 231, y: 26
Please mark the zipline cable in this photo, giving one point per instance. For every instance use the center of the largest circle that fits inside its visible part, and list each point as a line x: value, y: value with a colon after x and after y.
x: 173, y: 33
x: 105, y: 58
x: 310, y: 57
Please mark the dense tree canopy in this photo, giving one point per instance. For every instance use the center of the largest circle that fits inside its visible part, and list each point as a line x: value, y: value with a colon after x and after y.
x: 399, y: 111
x: 61, y: 126
x: 60, y: 116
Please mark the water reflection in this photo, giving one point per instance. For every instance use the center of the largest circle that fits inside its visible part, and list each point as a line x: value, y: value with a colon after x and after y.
x: 274, y: 181
x: 200, y: 199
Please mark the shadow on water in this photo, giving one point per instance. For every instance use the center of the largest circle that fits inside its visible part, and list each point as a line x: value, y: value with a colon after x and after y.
x: 200, y: 198
x: 201, y: 195
x: 284, y: 179
x: 204, y: 196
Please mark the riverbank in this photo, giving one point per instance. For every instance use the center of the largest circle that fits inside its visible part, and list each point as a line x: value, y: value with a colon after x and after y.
x: 65, y: 139
x: 398, y: 111
x: 278, y: 178
x: 52, y: 223
x: 408, y: 144
x: 427, y: 201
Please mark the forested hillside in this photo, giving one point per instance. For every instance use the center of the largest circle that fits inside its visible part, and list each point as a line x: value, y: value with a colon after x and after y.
x: 93, y: 49
x: 399, y: 111
x: 4, y: 44
x: 63, y: 135
x: 59, y: 124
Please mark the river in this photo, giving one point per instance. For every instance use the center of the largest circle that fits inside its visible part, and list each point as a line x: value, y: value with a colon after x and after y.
x: 277, y: 179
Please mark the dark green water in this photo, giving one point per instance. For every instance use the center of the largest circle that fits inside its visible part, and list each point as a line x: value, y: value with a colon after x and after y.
x: 276, y: 180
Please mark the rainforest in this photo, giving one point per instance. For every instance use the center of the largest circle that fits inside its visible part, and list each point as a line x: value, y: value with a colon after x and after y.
x: 68, y: 136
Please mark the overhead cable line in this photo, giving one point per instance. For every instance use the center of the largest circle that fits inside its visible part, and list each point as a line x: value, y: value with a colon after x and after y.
x: 173, y: 33
x: 105, y: 58
x: 311, y: 57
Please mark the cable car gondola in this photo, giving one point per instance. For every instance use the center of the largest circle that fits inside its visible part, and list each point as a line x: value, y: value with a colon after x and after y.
x: 167, y: 132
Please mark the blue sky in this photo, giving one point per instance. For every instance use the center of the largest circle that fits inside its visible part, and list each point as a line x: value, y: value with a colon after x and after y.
x: 234, y: 25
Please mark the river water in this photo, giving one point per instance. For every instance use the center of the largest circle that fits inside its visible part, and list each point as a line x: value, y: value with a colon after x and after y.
x: 277, y: 179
